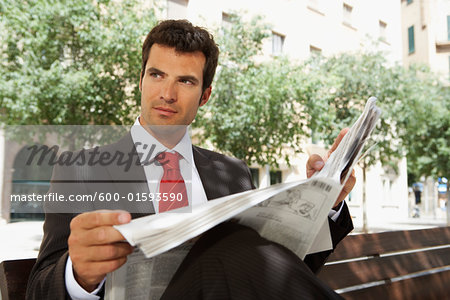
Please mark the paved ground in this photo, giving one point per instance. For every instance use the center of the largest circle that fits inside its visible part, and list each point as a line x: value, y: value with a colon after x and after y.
x: 22, y: 239
x: 405, y: 224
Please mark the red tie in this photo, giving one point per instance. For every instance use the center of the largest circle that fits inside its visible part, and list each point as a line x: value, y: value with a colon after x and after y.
x: 172, y: 186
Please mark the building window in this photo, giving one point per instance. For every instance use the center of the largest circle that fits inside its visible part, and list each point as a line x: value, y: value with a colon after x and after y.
x: 255, y: 176
x: 277, y: 43
x: 226, y: 20
x: 449, y: 68
x: 409, y: 1
x: 382, y: 26
x: 275, y: 177
x: 314, y: 50
x: 448, y: 27
x: 411, y: 48
x: 347, y: 17
x: 314, y: 4
x: 177, y: 9
x: 387, y: 190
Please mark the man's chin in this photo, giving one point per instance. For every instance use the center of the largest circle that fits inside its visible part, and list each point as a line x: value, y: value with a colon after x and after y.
x: 164, y: 127
x: 166, y: 131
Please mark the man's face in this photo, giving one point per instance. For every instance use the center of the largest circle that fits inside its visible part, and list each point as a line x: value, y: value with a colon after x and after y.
x: 171, y: 88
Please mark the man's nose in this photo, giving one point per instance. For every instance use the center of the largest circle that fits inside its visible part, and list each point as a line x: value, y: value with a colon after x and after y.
x: 168, y: 91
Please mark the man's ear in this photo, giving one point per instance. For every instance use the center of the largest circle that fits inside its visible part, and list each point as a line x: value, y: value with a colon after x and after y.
x: 205, y: 96
x: 140, y: 83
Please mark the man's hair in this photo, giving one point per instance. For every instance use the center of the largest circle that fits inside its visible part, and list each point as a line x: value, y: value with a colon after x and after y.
x: 184, y: 37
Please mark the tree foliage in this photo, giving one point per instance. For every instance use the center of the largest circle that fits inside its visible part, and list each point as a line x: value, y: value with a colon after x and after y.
x: 259, y: 109
x: 424, y: 123
x: 252, y: 113
x: 71, y: 62
x: 356, y: 77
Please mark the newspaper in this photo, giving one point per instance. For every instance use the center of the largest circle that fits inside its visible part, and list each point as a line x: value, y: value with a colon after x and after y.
x: 292, y: 214
x: 145, y: 278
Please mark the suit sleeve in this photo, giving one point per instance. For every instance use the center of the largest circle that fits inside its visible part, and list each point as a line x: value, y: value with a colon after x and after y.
x: 47, y: 278
x: 339, y: 229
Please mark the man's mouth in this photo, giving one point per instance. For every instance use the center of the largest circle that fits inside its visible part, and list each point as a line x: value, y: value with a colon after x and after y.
x: 165, y: 111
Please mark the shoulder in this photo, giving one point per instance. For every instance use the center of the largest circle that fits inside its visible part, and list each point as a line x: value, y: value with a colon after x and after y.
x: 91, y: 162
x: 219, y: 158
x: 221, y: 174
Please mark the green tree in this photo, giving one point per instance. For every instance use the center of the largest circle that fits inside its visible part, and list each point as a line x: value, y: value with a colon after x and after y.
x: 424, y: 123
x: 315, y: 90
x: 252, y: 113
x: 71, y: 62
x: 354, y: 78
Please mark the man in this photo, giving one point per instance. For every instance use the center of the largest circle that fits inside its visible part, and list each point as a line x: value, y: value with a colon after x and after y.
x: 80, y: 248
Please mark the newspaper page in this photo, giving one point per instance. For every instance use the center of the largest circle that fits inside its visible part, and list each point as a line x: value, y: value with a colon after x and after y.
x: 144, y: 278
x: 291, y: 214
x: 294, y: 217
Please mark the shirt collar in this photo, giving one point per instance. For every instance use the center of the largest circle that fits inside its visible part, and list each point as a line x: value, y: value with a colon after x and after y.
x: 144, y: 143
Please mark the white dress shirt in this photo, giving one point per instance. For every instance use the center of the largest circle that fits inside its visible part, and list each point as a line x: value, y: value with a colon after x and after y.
x: 144, y: 143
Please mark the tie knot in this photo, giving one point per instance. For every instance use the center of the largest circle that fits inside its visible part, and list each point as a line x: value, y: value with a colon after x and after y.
x: 169, y: 161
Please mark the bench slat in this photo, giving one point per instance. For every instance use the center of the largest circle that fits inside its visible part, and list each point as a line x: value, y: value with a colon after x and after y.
x: 347, y: 274
x: 432, y: 286
x: 14, y: 277
x: 378, y: 243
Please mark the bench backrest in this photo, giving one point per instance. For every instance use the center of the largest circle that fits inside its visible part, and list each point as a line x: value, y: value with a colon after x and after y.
x: 14, y: 277
x: 392, y: 265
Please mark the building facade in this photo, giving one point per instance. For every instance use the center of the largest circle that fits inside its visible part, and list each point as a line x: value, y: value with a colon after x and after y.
x: 426, y: 34
x: 426, y: 40
x: 302, y: 27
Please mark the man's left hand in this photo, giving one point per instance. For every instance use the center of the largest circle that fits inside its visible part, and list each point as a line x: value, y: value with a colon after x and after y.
x: 315, y: 163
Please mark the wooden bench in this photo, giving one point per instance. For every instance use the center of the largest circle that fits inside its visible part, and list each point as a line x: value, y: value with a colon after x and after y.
x: 411, y: 264
x: 14, y: 277
x: 390, y: 265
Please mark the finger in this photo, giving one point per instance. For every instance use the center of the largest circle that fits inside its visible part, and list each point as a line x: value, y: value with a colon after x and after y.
x: 338, y: 140
x: 349, y: 184
x: 315, y: 163
x: 109, y: 252
x: 92, y: 273
x: 99, y: 218
x: 99, y: 236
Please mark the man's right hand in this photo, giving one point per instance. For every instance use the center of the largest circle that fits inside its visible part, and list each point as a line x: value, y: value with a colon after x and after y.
x: 95, y: 247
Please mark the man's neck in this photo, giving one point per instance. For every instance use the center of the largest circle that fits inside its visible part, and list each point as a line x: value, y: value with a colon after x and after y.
x: 167, y: 135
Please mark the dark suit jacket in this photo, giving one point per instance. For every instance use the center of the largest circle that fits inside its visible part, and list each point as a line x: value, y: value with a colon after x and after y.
x: 220, y: 175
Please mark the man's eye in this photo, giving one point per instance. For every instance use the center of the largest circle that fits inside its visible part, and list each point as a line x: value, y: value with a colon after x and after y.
x: 186, y: 81
x: 155, y: 75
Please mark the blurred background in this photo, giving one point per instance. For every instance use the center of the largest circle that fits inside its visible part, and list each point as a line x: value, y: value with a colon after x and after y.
x: 291, y: 75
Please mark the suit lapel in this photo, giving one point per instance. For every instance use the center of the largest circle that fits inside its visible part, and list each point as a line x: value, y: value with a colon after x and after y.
x: 209, y: 175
